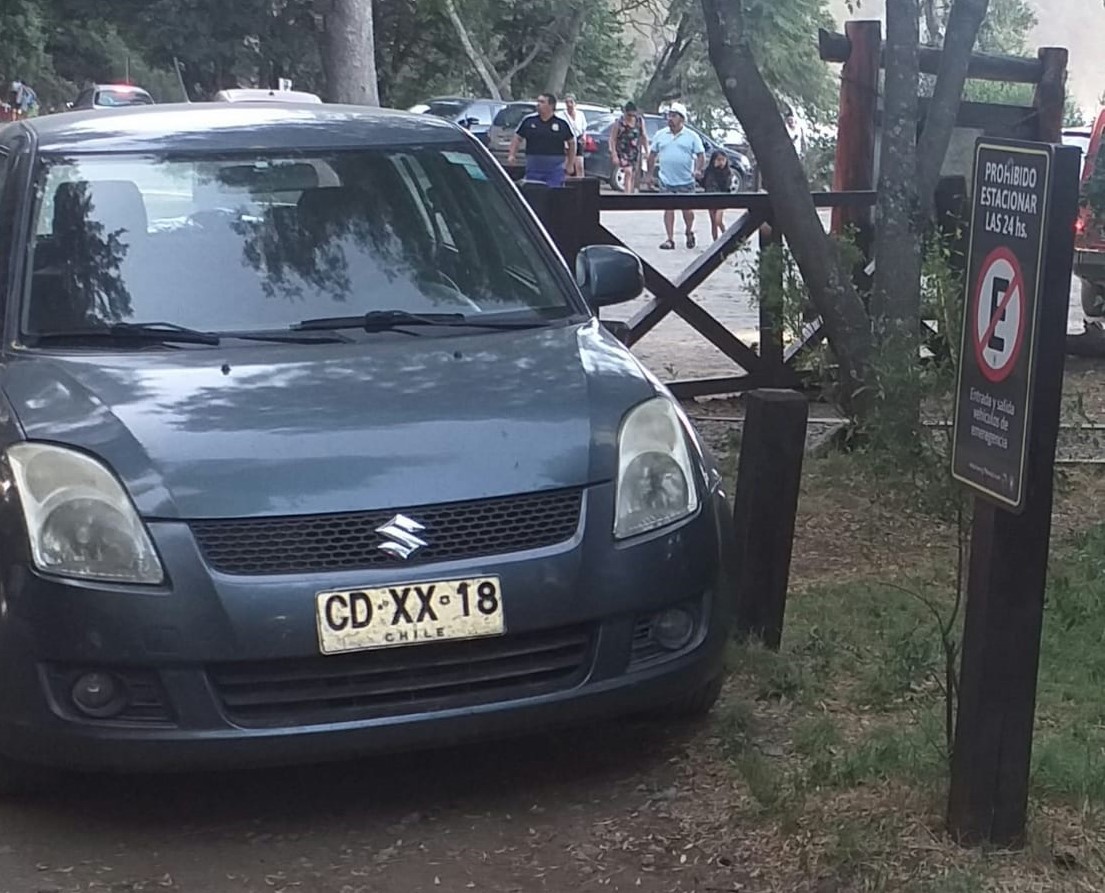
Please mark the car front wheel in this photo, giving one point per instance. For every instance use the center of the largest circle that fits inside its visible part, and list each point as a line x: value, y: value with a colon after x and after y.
x: 695, y: 703
x: 1093, y: 299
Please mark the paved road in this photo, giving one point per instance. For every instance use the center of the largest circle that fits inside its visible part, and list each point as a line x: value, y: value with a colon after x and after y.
x: 673, y: 349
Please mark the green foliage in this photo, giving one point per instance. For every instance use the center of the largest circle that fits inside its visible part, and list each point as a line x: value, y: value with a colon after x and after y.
x: 783, y: 38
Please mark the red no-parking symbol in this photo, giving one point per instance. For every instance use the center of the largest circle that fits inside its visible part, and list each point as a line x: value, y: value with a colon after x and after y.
x: 999, y: 315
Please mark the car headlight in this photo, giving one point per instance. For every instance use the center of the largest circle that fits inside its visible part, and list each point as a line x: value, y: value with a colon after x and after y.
x: 656, y: 484
x: 80, y: 520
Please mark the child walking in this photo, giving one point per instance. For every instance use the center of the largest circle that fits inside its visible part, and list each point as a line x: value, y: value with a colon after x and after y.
x: 717, y: 178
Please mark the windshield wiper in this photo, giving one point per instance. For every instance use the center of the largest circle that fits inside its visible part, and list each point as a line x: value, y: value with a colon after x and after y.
x: 289, y: 337
x: 149, y: 332
x: 386, y: 320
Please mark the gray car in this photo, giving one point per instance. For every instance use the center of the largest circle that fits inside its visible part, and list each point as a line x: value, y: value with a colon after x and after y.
x: 312, y: 446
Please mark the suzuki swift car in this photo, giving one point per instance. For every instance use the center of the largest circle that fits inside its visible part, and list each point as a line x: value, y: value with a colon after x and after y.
x: 312, y: 446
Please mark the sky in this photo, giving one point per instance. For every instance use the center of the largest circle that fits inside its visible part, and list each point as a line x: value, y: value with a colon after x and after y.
x: 1078, y: 25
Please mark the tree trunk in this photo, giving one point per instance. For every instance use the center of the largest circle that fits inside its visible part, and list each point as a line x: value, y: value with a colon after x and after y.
x: 349, y: 52
x: 899, y: 227
x: 830, y: 288
x: 565, y: 51
x: 959, y: 40
x: 896, y: 297
x: 483, y: 67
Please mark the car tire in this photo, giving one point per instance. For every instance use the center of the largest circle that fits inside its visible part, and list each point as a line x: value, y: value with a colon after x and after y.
x: 1093, y: 299
x: 697, y: 702
x: 617, y: 180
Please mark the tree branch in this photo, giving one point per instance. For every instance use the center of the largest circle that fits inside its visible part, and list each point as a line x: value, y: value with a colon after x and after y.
x: 479, y: 61
x: 538, y: 46
x: 932, y: 23
x: 959, y: 40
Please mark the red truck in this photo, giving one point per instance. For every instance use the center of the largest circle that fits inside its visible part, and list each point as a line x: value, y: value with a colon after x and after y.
x: 1089, y: 242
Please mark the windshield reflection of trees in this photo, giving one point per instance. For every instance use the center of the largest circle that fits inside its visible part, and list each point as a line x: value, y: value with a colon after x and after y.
x: 85, y: 259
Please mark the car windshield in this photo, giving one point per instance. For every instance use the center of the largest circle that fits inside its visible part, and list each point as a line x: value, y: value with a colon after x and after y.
x: 262, y: 242
x: 111, y: 97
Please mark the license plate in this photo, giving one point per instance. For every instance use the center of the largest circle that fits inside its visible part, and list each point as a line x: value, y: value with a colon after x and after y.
x: 408, y: 614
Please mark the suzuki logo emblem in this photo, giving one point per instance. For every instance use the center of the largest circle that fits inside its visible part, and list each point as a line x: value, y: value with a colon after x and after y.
x: 402, y: 541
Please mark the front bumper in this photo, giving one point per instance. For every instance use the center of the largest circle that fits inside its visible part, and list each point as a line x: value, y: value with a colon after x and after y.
x: 179, y: 640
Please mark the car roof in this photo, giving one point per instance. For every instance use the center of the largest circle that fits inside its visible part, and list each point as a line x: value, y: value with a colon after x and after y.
x: 125, y: 88
x: 231, y: 127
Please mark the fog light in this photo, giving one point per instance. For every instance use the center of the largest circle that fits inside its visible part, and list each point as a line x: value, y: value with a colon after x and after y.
x: 98, y: 694
x: 673, y: 628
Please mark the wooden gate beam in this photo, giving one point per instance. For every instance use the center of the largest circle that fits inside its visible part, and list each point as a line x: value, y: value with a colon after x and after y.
x: 836, y: 47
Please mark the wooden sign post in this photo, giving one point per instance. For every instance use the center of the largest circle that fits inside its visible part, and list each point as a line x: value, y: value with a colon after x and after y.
x: 1025, y: 202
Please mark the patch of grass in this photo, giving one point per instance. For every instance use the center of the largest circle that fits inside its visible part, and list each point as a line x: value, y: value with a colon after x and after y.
x: 878, y: 635
x: 1069, y: 746
x: 774, y: 675
x: 858, y: 852
x: 818, y: 739
x: 890, y: 752
x: 955, y: 880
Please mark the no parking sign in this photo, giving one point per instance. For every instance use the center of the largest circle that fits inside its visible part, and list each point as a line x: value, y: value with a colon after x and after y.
x: 997, y: 360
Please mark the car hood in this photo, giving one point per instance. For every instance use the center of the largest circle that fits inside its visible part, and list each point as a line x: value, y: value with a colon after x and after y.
x: 282, y: 429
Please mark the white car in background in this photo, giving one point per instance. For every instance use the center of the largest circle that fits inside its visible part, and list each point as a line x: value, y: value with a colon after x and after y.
x: 246, y: 94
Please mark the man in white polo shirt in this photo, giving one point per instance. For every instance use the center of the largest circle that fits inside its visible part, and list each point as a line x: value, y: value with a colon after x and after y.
x: 681, y: 157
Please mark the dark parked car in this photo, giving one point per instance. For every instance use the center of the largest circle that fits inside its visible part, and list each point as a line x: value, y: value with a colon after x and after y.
x: 110, y: 96
x: 313, y: 446
x: 510, y: 116
x: 598, y: 163
x: 474, y: 115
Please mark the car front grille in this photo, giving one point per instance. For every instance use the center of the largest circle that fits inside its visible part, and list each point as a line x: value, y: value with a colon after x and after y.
x: 312, y: 543
x: 408, y: 679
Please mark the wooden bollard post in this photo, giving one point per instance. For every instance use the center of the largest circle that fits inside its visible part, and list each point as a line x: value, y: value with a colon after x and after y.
x: 766, y: 504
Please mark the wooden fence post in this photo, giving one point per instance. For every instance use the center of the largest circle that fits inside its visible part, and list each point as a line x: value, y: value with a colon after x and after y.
x: 569, y: 213
x: 765, y: 507
x: 855, y: 145
x: 1051, y: 94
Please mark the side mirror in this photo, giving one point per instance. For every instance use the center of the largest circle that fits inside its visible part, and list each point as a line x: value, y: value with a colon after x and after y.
x: 608, y: 274
x: 469, y: 123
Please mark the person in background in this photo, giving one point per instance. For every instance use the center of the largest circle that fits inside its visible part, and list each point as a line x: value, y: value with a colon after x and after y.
x: 717, y: 178
x: 795, y: 131
x: 628, y: 145
x: 23, y: 99
x: 578, y: 122
x: 680, y: 155
x: 546, y: 135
